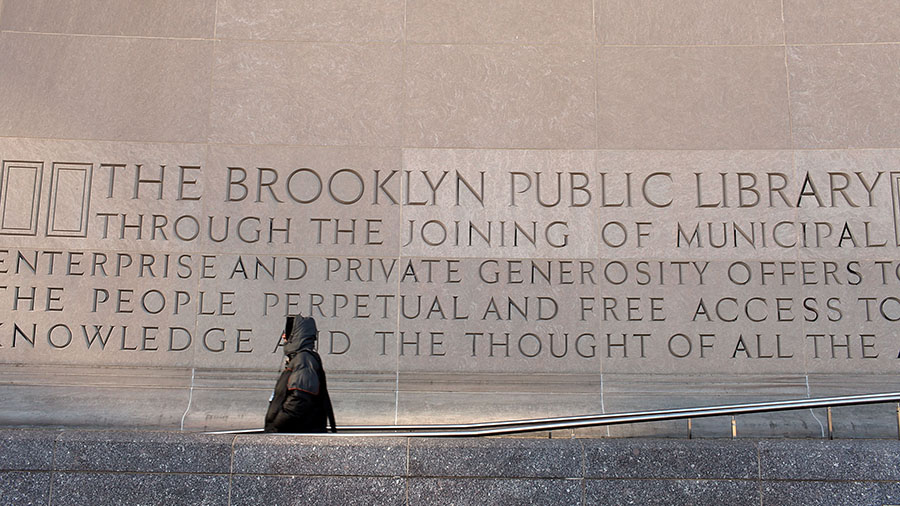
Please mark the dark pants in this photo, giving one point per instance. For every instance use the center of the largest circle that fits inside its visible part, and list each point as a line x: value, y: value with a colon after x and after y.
x: 285, y: 422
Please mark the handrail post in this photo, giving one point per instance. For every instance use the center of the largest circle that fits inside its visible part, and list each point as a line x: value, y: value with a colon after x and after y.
x: 733, y: 427
x: 690, y: 435
x: 830, y: 425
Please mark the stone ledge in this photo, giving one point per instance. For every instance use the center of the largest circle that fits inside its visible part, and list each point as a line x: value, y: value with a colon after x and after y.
x: 147, y: 452
x: 162, y: 399
x: 60, y: 467
x: 27, y: 450
x: 838, y: 460
x: 321, y: 456
x: 670, y: 459
x: 495, y: 457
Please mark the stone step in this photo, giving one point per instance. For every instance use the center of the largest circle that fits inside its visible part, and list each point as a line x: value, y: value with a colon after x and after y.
x: 59, y: 467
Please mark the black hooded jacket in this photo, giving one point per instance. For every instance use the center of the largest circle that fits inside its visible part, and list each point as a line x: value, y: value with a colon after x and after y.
x: 300, y: 402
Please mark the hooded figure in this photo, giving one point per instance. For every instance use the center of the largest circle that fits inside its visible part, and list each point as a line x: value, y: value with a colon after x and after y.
x: 300, y: 402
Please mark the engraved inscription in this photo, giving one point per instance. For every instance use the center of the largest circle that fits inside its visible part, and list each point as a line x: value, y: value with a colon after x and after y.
x: 490, y: 266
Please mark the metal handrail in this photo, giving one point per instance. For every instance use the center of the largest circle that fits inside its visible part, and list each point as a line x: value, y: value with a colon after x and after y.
x: 596, y: 420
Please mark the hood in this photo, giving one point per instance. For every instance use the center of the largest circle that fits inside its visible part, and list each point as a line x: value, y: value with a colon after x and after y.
x: 302, y: 334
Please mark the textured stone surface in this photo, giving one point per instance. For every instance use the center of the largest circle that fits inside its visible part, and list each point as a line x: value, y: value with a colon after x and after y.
x: 671, y: 492
x: 166, y: 452
x: 125, y: 488
x: 474, y: 491
x: 306, y: 490
x: 310, y: 20
x: 670, y: 459
x: 830, y: 460
x: 86, y: 398
x: 829, y: 493
x: 26, y: 450
x: 24, y: 487
x: 645, y: 22
x: 841, y: 21
x: 315, y: 94
x: 504, y: 21
x: 362, y: 470
x: 692, y: 98
x: 154, y: 18
x: 151, y: 89
x: 319, y: 456
x: 517, y: 458
x: 499, y: 96
x: 486, y: 396
x: 845, y: 96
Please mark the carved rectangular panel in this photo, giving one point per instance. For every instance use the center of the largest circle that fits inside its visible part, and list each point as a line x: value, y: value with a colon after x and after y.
x: 20, y: 197
x: 70, y: 196
x: 895, y: 194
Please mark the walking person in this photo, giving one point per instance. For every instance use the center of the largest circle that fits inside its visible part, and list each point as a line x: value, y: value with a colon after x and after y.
x: 300, y: 402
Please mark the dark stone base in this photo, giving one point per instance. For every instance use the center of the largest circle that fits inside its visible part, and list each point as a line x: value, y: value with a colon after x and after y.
x: 116, y: 467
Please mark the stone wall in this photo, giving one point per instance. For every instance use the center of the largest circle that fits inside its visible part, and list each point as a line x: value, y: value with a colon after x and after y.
x: 73, y: 467
x: 498, y: 209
